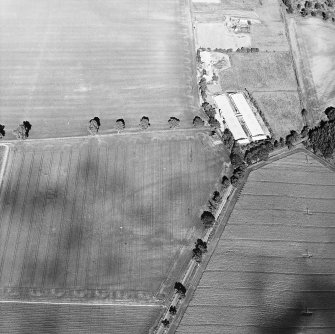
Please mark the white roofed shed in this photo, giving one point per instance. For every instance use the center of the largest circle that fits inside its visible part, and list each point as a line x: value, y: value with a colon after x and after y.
x: 227, y: 112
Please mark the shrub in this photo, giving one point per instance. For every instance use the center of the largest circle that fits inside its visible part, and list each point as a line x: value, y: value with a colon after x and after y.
x: 166, y: 323
x: 325, y: 16
x: 292, y: 138
x: 207, y: 219
x: 172, y: 310
x: 208, y: 109
x: 225, y: 182
x: 173, y: 122
x: 214, y: 123
x: 228, y: 138
x: 198, y: 122
x: 144, y: 123
x: 120, y: 124
x: 197, y: 254
x: 330, y: 113
x: 308, y: 4
x: 304, y: 131
x: 2, y: 131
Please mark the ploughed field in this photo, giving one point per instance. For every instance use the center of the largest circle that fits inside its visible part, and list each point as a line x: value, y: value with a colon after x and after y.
x: 275, y: 260
x: 105, y: 217
x: 64, y: 62
x: 76, y: 318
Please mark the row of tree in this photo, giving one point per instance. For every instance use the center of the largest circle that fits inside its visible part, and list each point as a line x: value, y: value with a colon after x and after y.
x: 120, y: 124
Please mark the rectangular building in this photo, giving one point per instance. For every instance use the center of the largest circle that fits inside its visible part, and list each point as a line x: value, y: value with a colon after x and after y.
x: 249, y: 117
x: 226, y: 112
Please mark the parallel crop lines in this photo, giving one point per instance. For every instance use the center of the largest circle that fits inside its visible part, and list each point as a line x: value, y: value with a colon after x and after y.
x: 272, y: 256
x: 32, y: 207
x: 91, y: 216
x: 17, y: 198
x: 40, y: 219
x: 41, y: 253
x: 107, y: 214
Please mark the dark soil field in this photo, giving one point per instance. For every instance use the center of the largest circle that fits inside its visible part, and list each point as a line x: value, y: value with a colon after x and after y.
x: 75, y: 319
x: 106, y: 213
x: 275, y: 259
x: 64, y: 62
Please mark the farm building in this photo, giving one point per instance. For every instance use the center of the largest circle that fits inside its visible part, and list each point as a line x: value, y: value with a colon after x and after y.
x: 227, y: 113
x: 242, y: 105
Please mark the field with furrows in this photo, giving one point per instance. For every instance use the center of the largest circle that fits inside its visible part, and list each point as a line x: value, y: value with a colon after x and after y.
x: 75, y: 319
x: 106, y: 213
x: 64, y: 62
x: 275, y: 260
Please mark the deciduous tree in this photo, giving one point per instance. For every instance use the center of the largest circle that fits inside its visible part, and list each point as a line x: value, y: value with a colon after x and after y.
x: 173, y: 122
x: 144, y: 123
x: 120, y: 124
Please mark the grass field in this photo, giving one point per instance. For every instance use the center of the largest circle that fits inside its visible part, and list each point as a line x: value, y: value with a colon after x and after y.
x: 319, y: 41
x: 261, y: 71
x: 64, y: 62
x: 75, y: 319
x: 282, y: 110
x: 274, y: 259
x: 109, y: 213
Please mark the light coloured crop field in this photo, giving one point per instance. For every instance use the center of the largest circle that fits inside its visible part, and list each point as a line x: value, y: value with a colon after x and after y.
x: 105, y: 213
x: 282, y: 110
x: 275, y: 259
x: 17, y: 318
x: 65, y: 61
x: 319, y: 42
x: 263, y: 71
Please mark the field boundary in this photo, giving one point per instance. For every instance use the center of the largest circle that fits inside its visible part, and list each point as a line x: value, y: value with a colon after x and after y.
x: 78, y: 303
x: 103, y: 135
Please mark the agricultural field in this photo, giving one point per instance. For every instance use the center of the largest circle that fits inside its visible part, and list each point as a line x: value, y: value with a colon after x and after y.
x: 64, y: 62
x: 18, y: 318
x: 282, y: 110
x: 259, y: 72
x: 275, y: 261
x: 108, y: 213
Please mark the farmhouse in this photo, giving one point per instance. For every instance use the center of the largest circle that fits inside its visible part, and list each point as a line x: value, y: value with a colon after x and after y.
x: 227, y: 113
x: 243, y: 107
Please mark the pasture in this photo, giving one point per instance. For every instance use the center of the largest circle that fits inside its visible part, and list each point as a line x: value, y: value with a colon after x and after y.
x: 275, y: 259
x: 64, y: 62
x: 319, y: 43
x: 263, y: 71
x: 108, y: 213
x: 18, y: 318
x: 282, y: 110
